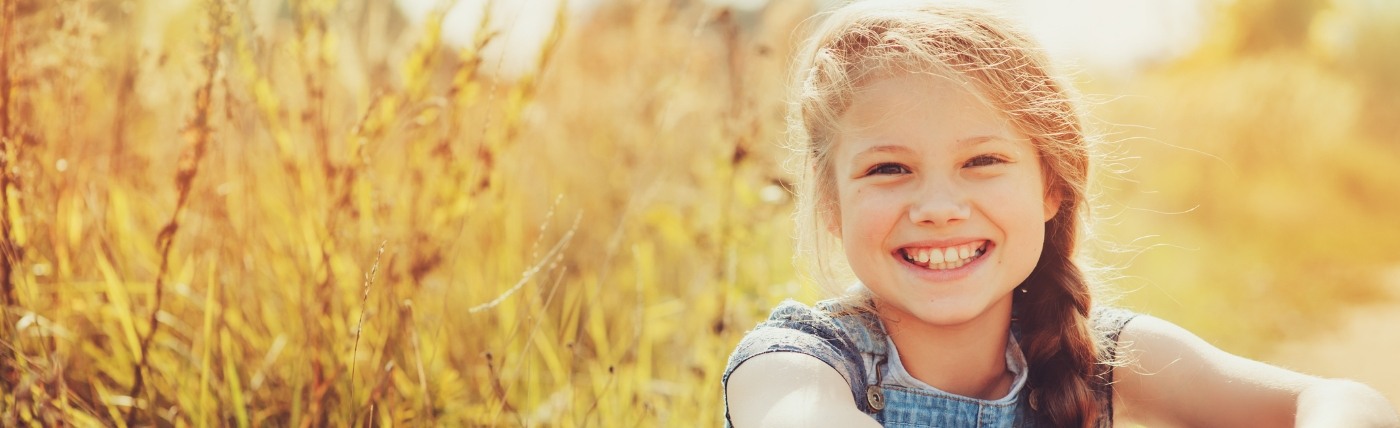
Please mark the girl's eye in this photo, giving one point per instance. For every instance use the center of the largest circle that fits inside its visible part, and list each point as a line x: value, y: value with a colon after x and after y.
x: 888, y: 169
x: 983, y: 160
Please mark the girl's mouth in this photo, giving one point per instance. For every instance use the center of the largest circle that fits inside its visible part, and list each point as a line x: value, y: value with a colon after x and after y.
x: 945, y: 258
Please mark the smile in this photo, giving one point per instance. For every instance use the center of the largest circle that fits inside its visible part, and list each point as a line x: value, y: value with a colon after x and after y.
x: 945, y: 258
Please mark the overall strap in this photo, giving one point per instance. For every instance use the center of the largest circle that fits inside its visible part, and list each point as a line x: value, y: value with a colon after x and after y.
x: 1108, y: 323
x: 867, y: 333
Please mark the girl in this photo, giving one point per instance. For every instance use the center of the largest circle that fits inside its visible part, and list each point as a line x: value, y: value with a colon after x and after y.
x: 950, y: 166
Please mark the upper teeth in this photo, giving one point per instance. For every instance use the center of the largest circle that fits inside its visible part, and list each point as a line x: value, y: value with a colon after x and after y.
x: 946, y: 257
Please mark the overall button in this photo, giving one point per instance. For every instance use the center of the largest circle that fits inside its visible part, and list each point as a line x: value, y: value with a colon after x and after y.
x: 875, y: 397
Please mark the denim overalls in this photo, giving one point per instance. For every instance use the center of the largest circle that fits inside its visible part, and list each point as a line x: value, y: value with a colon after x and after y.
x: 855, y: 345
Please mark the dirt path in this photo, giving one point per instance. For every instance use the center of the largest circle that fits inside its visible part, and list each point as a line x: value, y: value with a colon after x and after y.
x: 1365, y: 347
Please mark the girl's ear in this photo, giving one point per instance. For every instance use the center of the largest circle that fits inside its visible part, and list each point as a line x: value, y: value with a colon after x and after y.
x: 832, y: 217
x: 1052, y: 203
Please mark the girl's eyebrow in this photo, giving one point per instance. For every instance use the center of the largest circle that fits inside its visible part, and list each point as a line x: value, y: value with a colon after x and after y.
x: 898, y: 149
x: 973, y: 141
x: 883, y: 148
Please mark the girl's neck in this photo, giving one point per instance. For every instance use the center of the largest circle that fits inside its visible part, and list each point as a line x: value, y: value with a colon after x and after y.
x: 967, y: 359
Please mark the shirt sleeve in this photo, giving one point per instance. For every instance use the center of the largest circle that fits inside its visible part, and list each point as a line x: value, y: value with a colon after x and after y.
x: 794, y: 327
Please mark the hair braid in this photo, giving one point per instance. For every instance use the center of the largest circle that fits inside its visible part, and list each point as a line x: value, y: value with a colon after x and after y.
x: 1055, y: 334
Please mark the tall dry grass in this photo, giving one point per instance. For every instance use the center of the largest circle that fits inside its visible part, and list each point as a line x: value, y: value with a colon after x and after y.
x: 226, y: 212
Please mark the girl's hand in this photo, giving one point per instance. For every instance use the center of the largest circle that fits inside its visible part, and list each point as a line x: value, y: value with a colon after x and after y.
x: 1344, y: 403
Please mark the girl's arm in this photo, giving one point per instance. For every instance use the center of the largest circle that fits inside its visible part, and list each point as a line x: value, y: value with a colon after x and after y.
x: 1171, y: 377
x: 788, y: 389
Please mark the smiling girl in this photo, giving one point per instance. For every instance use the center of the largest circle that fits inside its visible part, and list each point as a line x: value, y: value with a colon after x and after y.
x: 950, y: 165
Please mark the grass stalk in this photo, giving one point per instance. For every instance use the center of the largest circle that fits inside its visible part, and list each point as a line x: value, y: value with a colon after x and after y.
x: 364, y: 307
x: 212, y: 311
x: 198, y: 133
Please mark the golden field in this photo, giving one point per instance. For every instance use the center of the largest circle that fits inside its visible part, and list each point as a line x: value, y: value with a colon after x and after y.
x: 222, y: 213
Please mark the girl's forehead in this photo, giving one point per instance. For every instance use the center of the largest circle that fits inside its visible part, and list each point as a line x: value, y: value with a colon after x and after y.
x: 917, y: 87
x: 892, y: 101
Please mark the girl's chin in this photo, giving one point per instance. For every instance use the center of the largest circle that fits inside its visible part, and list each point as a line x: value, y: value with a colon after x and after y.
x: 948, y: 311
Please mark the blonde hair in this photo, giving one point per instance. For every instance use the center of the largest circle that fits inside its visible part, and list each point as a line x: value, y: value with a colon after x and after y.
x: 870, y: 39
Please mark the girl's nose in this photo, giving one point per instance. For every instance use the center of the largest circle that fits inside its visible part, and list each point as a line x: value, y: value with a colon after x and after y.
x: 939, y: 204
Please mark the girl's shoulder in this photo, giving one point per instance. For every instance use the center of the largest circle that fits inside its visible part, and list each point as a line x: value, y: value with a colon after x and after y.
x: 826, y: 331
x: 1108, y: 322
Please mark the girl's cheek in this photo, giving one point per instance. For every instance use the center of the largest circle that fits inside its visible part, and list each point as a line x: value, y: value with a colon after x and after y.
x: 1008, y: 185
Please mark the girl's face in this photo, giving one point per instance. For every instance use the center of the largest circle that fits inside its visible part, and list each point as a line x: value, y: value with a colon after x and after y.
x: 942, y: 203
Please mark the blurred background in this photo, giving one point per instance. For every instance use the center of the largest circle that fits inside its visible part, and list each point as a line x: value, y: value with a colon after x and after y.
x: 540, y: 213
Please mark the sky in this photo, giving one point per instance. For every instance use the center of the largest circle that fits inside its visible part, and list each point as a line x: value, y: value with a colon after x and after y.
x: 1112, y: 36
